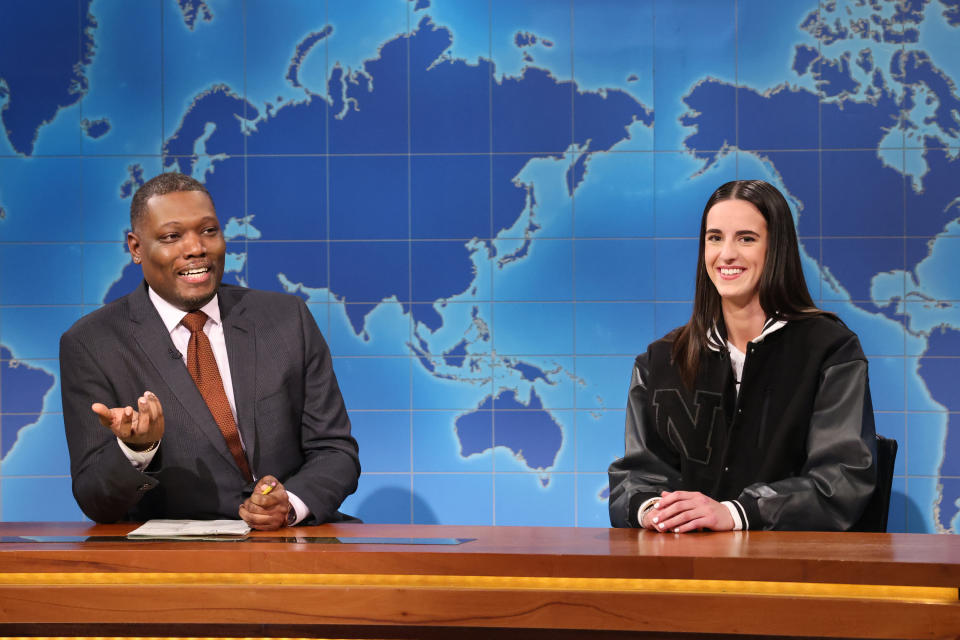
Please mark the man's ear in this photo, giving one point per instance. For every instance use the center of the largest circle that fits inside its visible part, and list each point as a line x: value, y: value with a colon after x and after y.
x: 133, y: 244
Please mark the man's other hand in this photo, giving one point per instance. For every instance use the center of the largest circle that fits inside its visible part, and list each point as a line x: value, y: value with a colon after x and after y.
x: 266, y: 509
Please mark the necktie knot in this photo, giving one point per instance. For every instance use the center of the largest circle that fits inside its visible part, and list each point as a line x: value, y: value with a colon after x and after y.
x: 194, y: 321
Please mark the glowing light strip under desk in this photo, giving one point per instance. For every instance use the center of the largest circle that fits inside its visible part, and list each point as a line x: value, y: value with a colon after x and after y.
x: 490, y: 583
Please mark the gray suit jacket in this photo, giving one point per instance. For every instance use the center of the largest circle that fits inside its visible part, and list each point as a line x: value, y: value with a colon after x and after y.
x: 290, y: 412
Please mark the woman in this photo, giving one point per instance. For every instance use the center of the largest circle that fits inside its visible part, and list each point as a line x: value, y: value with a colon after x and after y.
x: 756, y: 414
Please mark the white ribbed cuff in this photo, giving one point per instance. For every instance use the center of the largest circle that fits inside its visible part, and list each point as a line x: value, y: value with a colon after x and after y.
x: 737, y: 513
x: 644, y: 507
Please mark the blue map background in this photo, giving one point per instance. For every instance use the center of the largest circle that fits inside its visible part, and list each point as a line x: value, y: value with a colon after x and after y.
x: 490, y: 207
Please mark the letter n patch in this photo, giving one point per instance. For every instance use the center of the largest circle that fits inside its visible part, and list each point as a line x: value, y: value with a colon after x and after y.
x: 689, y: 431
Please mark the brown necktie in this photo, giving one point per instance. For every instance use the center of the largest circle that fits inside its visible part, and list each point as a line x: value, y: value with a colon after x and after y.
x: 203, y: 369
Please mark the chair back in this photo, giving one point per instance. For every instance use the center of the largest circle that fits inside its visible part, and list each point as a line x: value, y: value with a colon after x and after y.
x: 874, y: 517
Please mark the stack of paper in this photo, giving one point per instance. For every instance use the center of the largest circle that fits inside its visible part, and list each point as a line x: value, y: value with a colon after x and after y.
x: 190, y: 529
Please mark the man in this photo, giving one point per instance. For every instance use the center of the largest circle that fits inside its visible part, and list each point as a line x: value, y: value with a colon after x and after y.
x: 254, y: 425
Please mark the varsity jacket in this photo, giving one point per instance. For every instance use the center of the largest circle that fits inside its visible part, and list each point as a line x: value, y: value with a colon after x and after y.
x: 794, y: 450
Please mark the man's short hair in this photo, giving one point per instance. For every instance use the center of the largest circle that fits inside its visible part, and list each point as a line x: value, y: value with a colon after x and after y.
x: 161, y: 185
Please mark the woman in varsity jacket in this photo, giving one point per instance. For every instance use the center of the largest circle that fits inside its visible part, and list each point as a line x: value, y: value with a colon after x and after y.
x: 756, y: 414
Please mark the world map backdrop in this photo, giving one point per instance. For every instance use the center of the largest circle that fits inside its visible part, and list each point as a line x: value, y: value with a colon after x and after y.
x: 490, y: 207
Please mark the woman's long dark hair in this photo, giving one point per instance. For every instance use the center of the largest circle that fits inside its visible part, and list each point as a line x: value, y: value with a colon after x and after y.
x: 783, y: 289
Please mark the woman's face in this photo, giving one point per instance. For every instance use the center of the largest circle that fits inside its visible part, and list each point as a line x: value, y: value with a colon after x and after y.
x: 734, y: 249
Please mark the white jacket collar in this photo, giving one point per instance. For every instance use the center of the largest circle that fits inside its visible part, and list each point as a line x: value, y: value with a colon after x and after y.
x: 716, y: 341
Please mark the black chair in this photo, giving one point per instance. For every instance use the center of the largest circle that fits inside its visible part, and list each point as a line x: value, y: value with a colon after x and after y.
x: 874, y: 517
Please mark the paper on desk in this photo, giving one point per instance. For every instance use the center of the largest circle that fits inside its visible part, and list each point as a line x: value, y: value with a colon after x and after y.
x: 190, y: 528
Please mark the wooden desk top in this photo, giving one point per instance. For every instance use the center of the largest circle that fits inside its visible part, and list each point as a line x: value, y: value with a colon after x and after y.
x: 857, y: 558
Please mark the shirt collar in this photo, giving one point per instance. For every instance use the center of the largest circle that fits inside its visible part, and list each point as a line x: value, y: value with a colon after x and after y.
x: 172, y: 316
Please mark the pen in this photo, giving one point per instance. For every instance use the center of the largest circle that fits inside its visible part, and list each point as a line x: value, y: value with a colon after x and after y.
x: 266, y: 489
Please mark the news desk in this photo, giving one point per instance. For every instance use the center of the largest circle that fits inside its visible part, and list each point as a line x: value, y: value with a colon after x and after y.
x: 346, y: 581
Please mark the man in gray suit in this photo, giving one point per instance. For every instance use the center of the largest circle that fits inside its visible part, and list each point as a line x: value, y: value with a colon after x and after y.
x: 267, y: 438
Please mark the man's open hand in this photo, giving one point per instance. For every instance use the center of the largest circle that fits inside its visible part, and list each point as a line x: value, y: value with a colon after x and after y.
x: 137, y: 427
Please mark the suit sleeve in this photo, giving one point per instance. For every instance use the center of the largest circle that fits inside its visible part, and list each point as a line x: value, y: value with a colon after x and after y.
x: 839, y: 475
x: 331, y: 464
x: 648, y: 466
x: 105, y: 484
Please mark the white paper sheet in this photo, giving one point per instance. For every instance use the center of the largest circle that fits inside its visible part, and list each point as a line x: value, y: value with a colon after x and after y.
x: 190, y: 528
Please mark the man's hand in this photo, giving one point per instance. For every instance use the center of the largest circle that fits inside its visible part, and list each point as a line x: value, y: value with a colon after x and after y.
x: 141, y: 427
x: 683, y: 511
x: 266, y: 509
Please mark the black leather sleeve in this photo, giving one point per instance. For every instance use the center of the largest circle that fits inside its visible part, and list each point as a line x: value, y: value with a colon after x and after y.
x: 839, y: 475
x: 648, y: 467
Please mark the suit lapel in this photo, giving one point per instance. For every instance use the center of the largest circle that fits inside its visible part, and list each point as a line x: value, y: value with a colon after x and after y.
x: 240, y: 335
x: 152, y: 337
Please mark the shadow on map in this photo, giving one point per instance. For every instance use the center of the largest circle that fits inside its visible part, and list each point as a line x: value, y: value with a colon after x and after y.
x: 906, y: 516
x: 393, y: 505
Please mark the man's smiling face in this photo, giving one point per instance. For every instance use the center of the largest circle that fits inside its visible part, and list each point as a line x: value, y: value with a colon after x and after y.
x: 181, y: 246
